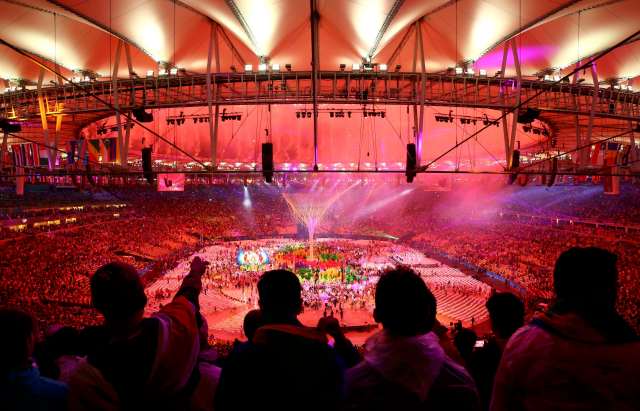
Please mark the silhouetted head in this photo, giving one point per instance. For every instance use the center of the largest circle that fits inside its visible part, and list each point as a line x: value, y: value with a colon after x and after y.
x: 465, y: 340
x: 280, y: 295
x: 252, y: 321
x: 586, y: 281
x: 117, y: 292
x: 17, y: 341
x: 404, y: 304
x: 506, y: 312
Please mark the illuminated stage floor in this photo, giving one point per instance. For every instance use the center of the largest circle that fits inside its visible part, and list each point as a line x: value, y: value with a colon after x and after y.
x: 459, y: 296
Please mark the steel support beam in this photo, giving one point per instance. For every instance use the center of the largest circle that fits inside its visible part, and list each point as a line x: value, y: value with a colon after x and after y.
x: 403, y: 42
x: 43, y: 119
x: 594, y: 103
x: 505, y: 122
x: 315, y: 66
x: 245, y: 26
x: 514, y: 118
x: 385, y: 25
x: 423, y: 85
x: 116, y: 102
x: 213, y: 54
x: 574, y: 81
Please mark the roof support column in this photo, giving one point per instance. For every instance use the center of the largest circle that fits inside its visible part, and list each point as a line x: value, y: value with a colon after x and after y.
x: 510, y: 137
x: 514, y: 119
x: 421, y: 95
x: 124, y: 149
x: 576, y: 100
x: 416, y: 92
x: 43, y: 118
x: 594, y: 102
x: 314, y: 17
x: 214, y: 53
x: 116, y: 103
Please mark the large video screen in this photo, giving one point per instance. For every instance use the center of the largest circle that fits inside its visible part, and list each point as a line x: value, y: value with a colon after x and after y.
x: 170, y: 182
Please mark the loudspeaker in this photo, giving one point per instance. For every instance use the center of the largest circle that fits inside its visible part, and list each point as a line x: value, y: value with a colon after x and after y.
x: 515, y: 159
x: 527, y: 116
x: 142, y: 116
x: 412, y: 162
x: 554, y: 171
x: 515, y: 164
x: 267, y: 162
x: 147, y: 170
x: 9, y: 126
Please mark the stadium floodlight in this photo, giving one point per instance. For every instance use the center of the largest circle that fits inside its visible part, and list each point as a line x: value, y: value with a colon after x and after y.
x: 459, y: 71
x: 275, y: 67
x: 173, y: 71
x: 382, y: 67
x: 470, y: 71
x: 483, y: 73
x: 150, y: 73
x: 248, y: 68
x: 262, y: 67
x: 162, y: 72
x: 355, y: 67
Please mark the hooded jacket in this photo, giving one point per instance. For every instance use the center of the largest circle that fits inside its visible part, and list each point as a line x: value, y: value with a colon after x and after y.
x: 408, y: 373
x: 561, y: 362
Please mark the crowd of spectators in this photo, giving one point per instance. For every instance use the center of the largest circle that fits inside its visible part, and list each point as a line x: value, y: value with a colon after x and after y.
x: 578, y: 354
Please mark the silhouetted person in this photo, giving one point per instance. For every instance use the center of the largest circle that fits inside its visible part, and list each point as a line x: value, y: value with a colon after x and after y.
x: 252, y: 321
x: 580, y: 355
x: 506, y: 313
x: 286, y: 366
x: 21, y: 386
x: 405, y: 367
x: 144, y: 363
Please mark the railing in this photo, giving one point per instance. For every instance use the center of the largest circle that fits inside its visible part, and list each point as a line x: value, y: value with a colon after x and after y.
x: 335, y: 87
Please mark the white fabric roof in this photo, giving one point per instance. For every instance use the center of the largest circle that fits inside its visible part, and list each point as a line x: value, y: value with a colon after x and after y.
x: 82, y: 34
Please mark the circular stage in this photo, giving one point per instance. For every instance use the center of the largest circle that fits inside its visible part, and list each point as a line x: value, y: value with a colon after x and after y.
x: 340, y: 281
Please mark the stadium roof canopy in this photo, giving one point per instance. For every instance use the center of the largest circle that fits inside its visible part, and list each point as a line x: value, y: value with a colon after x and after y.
x: 552, y: 37
x: 550, y: 34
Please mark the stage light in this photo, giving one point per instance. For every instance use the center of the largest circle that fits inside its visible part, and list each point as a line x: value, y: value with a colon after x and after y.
x: 459, y: 70
x: 556, y: 77
x: 150, y: 73
x: 162, y: 72
x: 470, y: 72
x: 275, y: 67
x: 288, y: 67
x: 398, y: 67
x: 382, y: 67
x: 483, y: 73
x: 248, y: 68
x: 262, y: 67
x: 355, y: 67
x: 342, y: 67
x: 368, y: 67
x: 173, y: 71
